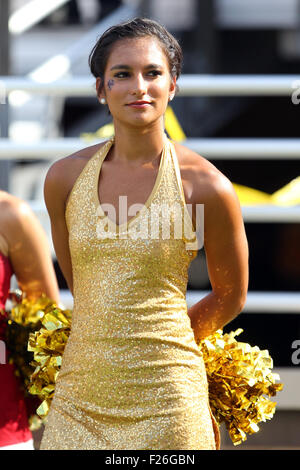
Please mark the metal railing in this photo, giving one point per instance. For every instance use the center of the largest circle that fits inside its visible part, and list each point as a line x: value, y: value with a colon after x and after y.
x: 211, y: 148
x: 289, y: 397
x: 261, y: 213
x: 191, y: 85
x: 228, y: 148
x: 257, y: 302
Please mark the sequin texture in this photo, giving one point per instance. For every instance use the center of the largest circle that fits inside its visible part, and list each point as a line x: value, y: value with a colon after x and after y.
x: 132, y: 376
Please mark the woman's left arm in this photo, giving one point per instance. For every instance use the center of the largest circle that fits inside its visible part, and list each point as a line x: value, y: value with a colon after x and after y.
x: 226, y: 250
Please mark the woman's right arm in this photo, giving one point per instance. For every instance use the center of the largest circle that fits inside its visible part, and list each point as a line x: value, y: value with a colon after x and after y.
x: 28, y: 249
x: 55, y: 193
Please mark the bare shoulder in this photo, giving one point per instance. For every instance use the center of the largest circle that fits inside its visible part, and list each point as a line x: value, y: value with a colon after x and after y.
x: 72, y: 164
x: 15, y: 214
x: 206, y: 182
x: 63, y: 173
x: 12, y: 207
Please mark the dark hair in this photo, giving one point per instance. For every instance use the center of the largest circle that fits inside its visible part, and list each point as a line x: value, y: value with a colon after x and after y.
x: 136, y: 28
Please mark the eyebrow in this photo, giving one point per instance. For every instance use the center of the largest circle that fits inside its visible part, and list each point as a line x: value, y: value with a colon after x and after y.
x: 127, y: 67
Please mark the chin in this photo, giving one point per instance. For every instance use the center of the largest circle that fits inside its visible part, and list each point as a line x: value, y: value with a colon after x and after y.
x: 140, y: 121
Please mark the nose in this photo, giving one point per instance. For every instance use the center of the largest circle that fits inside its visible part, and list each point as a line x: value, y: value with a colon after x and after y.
x: 139, y: 87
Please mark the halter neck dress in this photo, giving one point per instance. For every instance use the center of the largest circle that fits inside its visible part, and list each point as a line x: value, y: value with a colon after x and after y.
x: 132, y: 376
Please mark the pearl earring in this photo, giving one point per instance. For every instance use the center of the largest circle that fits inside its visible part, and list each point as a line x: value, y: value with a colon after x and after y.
x: 103, y: 101
x: 171, y: 97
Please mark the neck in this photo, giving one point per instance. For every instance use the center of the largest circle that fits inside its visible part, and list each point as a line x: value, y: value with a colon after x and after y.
x: 138, y: 146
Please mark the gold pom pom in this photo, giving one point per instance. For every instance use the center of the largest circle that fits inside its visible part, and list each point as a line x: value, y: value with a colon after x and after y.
x: 48, y: 345
x: 238, y: 377
x: 24, y: 318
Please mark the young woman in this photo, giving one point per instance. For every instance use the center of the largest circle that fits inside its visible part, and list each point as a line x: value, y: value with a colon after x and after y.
x: 132, y: 375
x: 24, y: 251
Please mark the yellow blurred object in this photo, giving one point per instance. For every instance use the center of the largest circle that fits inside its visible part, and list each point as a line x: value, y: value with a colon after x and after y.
x: 289, y: 195
x: 173, y: 127
x: 251, y: 197
x: 104, y: 132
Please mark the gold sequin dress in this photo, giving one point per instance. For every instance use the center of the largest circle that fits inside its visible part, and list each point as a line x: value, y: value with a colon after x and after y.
x: 132, y: 376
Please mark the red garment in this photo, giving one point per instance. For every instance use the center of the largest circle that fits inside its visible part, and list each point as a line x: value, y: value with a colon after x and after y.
x: 13, y: 414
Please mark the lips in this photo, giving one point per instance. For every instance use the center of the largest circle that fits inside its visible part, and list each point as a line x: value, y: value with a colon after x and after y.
x: 139, y: 104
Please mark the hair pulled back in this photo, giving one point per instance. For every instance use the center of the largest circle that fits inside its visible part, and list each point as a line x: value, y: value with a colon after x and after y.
x: 135, y: 28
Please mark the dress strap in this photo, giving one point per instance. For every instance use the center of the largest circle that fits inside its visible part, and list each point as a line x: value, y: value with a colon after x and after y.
x: 85, y: 173
x: 194, y: 232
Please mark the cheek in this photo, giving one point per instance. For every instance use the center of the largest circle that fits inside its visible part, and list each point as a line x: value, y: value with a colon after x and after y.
x: 110, y: 83
x: 115, y: 88
x: 160, y: 89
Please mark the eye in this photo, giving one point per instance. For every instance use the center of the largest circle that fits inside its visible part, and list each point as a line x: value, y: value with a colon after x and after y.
x: 121, y: 74
x: 154, y: 73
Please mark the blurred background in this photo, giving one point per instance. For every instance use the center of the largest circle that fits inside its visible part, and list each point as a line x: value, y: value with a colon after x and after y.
x: 238, y: 106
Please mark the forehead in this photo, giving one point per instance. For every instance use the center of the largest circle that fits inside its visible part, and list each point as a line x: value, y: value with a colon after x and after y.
x: 137, y: 51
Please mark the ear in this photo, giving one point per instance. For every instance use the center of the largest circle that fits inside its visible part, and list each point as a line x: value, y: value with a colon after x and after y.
x: 172, y: 90
x: 100, y: 88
